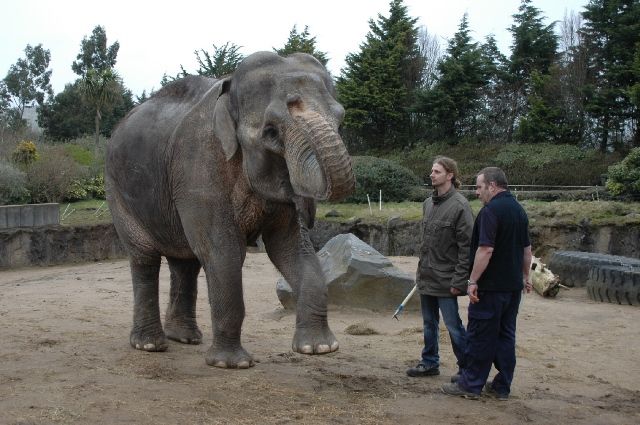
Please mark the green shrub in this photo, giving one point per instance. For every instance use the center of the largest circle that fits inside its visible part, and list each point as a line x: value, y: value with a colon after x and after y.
x: 541, y: 164
x: 24, y: 154
x: 52, y: 177
x: 376, y: 174
x: 80, y: 154
x: 13, y: 188
x: 624, y: 178
x: 87, y: 188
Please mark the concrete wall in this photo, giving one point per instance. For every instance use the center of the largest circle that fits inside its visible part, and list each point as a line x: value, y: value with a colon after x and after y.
x: 51, y: 245
x: 21, y: 247
x: 30, y: 215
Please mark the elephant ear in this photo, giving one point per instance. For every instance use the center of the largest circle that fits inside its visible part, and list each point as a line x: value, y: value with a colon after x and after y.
x: 224, y: 127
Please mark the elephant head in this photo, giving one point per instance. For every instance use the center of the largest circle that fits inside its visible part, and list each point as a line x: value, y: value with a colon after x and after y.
x: 281, y: 113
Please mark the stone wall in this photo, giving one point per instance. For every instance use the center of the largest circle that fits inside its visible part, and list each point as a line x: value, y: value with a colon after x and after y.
x: 60, y: 244
x: 29, y: 215
x: 50, y: 245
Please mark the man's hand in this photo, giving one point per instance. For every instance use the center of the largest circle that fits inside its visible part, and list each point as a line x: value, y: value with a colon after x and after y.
x: 472, y: 291
x: 527, y: 285
x: 455, y: 291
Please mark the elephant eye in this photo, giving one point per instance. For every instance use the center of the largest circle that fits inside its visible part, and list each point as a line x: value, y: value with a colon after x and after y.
x: 270, y: 132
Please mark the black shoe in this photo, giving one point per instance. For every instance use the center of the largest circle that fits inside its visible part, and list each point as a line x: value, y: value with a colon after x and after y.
x: 490, y: 391
x: 455, y: 389
x: 422, y: 370
x: 455, y: 378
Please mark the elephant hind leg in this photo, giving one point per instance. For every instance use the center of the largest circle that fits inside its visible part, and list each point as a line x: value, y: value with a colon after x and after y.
x: 180, y: 320
x: 147, y: 333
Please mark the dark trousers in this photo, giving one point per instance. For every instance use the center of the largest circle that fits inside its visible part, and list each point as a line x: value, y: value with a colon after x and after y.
x: 491, y: 339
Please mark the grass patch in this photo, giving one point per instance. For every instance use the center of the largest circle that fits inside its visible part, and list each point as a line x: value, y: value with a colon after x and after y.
x: 540, y: 213
x: 94, y: 211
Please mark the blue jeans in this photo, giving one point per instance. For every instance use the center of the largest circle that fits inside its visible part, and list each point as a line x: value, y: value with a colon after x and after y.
x: 431, y: 318
x: 491, y: 340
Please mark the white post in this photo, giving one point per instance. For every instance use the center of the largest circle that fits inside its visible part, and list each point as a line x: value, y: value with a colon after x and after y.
x: 369, y: 201
x: 380, y: 199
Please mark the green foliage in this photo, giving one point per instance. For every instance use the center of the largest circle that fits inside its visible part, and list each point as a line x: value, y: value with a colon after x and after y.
x: 223, y: 61
x: 451, y: 106
x: 79, y: 153
x: 377, y: 85
x: 50, y: 178
x: 538, y: 156
x: 68, y: 116
x: 624, y: 178
x: 534, y: 44
x: 611, y: 33
x: 542, y: 164
x: 28, y: 80
x: 94, y: 53
x: 374, y: 174
x: 87, y: 188
x: 302, y: 43
x: 13, y: 188
x: 24, y: 154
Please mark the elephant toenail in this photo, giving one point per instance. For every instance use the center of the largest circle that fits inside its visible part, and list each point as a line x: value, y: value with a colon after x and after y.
x: 149, y: 346
x: 323, y: 348
x: 334, y: 346
x: 306, y: 349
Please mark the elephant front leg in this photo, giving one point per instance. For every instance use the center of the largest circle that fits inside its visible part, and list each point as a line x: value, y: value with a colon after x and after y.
x: 291, y: 251
x: 147, y: 333
x: 224, y: 281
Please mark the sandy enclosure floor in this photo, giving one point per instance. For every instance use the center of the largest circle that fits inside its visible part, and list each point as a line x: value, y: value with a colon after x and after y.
x: 65, y: 359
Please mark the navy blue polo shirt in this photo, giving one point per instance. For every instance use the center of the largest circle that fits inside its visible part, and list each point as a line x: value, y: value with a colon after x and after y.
x: 502, y: 224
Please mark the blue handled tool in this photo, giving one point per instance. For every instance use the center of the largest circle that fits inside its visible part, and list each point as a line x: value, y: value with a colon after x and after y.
x: 406, y: 300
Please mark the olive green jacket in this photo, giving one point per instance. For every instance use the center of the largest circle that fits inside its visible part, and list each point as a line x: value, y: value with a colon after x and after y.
x: 447, y: 223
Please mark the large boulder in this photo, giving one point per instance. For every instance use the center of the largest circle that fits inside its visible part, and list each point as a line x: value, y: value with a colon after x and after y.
x: 359, y: 276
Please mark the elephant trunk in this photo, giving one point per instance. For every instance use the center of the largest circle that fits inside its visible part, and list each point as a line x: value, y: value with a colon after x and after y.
x: 318, y: 162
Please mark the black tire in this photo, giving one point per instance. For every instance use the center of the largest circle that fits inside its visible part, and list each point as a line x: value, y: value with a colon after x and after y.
x: 572, y: 267
x: 614, y: 284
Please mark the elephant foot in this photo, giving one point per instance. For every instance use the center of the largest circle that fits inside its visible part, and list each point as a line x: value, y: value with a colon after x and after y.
x: 155, y: 341
x: 186, y: 333
x: 314, y: 341
x: 229, y: 358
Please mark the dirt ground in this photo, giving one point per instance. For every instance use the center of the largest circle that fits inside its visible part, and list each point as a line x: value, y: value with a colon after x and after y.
x: 65, y: 359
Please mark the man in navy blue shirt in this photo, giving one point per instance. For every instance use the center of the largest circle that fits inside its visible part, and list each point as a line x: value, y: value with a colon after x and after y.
x: 501, y: 260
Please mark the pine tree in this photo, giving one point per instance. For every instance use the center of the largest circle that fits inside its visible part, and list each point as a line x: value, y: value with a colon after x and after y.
x: 377, y: 86
x: 534, y: 50
x: 302, y: 43
x: 453, y: 103
x: 611, y: 33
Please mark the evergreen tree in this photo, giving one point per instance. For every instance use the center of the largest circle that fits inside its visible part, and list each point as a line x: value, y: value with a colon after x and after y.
x: 100, y: 83
x: 378, y: 84
x: 302, y: 43
x: 495, y: 96
x: 534, y: 49
x: 611, y: 34
x: 94, y: 53
x: 67, y: 116
x: 452, y: 105
x: 223, y: 61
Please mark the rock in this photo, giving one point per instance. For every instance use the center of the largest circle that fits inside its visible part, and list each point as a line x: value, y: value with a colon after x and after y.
x: 358, y: 276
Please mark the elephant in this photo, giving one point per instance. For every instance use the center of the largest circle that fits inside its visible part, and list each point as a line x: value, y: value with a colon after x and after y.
x: 203, y: 168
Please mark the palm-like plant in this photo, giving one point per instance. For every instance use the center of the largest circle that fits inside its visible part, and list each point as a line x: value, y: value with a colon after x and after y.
x: 100, y: 88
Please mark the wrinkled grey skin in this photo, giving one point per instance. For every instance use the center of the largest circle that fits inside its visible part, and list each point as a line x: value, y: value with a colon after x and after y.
x: 204, y: 167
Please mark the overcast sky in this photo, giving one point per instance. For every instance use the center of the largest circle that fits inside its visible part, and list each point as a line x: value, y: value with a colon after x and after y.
x: 157, y: 36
